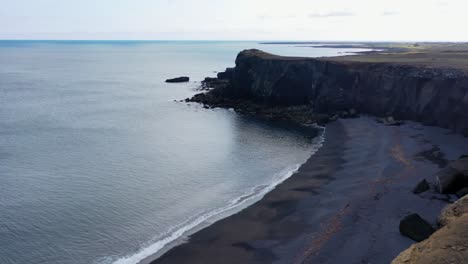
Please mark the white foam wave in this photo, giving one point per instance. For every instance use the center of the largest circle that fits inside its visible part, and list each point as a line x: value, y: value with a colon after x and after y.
x: 255, y: 193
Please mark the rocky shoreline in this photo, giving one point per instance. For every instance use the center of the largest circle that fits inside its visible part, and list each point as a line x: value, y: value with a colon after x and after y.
x: 328, y: 88
x: 215, y: 95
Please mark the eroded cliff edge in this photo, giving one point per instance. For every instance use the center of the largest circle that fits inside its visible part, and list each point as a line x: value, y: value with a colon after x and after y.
x: 411, y: 91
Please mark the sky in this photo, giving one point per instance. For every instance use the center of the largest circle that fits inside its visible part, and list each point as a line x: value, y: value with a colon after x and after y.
x: 346, y: 20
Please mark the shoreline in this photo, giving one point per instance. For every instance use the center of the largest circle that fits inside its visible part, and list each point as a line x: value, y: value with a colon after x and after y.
x: 180, y: 234
x: 196, y: 235
x: 357, y: 182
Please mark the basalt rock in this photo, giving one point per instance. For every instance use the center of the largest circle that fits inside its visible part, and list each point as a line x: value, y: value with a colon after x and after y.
x: 416, y: 228
x: 454, y: 177
x: 210, y: 83
x: 436, y: 96
x: 178, y: 80
x: 227, y: 75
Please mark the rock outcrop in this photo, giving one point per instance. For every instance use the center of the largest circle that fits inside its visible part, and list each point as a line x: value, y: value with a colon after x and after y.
x: 433, y: 96
x: 454, y: 177
x: 453, y: 211
x: 416, y: 228
x: 447, y: 245
x: 178, y: 80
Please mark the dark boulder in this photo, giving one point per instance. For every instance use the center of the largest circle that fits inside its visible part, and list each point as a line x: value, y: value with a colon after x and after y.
x: 454, y: 177
x: 447, y: 180
x: 178, y: 80
x: 461, y: 193
x: 416, y: 228
x: 421, y: 187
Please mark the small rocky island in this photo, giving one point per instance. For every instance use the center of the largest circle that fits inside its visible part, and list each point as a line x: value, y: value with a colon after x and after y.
x: 178, y: 80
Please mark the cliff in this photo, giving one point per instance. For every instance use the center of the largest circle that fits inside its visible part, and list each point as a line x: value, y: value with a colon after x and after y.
x: 429, y: 86
x: 432, y: 95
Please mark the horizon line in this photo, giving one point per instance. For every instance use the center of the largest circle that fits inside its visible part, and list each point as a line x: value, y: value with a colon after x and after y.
x: 239, y: 40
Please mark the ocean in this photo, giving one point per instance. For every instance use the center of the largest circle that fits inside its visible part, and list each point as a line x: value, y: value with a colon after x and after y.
x: 99, y: 164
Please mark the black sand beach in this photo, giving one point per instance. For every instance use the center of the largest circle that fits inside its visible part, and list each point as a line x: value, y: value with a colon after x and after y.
x: 346, y: 200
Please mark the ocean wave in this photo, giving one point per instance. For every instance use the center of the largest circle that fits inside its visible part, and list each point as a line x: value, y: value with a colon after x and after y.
x: 180, y: 231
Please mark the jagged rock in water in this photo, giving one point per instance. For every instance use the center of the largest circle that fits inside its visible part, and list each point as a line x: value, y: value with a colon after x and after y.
x: 178, y: 80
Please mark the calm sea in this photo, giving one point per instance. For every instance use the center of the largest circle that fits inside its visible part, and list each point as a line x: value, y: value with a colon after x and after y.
x: 98, y: 164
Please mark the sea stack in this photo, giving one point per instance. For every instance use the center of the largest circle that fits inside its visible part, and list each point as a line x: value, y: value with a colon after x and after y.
x: 178, y: 79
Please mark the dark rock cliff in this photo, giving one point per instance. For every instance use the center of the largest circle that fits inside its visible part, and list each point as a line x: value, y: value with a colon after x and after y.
x: 433, y: 96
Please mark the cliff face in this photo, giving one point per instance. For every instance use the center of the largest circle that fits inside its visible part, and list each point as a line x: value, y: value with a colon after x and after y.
x: 432, y: 96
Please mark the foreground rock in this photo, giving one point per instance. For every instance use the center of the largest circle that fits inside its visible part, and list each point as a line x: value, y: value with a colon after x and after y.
x: 416, y: 228
x: 447, y: 245
x: 454, y: 177
x: 452, y: 212
x: 178, y: 80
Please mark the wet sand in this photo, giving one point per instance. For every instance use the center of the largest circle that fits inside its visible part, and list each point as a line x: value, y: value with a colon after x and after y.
x: 342, y: 206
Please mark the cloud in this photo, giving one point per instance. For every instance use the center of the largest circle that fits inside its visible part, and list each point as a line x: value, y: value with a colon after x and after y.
x: 276, y: 17
x: 332, y: 14
x: 390, y: 13
x: 442, y: 3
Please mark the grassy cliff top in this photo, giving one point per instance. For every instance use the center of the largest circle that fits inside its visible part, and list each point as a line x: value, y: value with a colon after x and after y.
x: 433, y: 55
x: 430, y: 55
